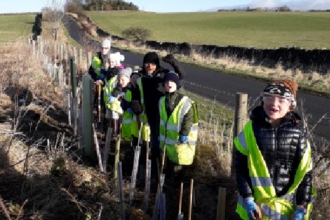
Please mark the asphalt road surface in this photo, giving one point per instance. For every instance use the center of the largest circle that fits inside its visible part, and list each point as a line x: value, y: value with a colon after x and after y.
x: 223, y: 87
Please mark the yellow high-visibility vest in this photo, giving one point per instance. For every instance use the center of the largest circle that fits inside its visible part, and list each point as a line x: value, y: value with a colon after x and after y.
x: 143, y: 116
x: 272, y: 207
x: 97, y: 64
x: 170, y: 127
x: 129, y: 122
x: 108, y: 89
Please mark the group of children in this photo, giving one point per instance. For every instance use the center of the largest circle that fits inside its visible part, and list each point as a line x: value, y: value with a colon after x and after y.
x: 272, y: 156
x: 147, y: 105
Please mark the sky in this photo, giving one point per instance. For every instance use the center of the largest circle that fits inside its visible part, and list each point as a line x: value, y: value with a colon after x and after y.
x: 13, y: 6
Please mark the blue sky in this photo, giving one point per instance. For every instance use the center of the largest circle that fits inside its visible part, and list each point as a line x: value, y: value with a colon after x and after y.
x: 12, y: 6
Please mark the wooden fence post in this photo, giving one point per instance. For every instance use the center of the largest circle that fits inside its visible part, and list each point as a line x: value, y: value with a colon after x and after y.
x: 87, y: 115
x: 89, y: 59
x: 240, y: 112
x: 221, y: 209
x: 240, y: 120
x: 191, y: 198
x: 34, y: 47
x: 41, y: 48
x: 74, y: 94
x: 80, y: 57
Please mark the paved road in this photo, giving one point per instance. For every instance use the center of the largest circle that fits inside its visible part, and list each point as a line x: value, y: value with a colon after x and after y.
x: 223, y: 87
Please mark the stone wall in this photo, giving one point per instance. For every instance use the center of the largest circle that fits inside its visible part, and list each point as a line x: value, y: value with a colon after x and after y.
x: 289, y: 57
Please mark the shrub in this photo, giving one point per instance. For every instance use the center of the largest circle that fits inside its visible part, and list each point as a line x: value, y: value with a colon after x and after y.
x: 136, y: 34
x: 74, y: 8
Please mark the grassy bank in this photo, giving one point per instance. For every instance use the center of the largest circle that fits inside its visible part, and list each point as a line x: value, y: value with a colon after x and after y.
x: 14, y: 26
x: 247, y: 29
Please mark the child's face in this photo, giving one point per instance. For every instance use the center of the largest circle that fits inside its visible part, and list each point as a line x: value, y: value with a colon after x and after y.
x: 123, y: 81
x: 276, y: 107
x: 170, y: 86
x: 113, y: 63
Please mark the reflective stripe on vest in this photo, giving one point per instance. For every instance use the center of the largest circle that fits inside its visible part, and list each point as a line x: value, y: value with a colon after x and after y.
x: 273, y: 207
x: 110, y: 85
x: 170, y: 127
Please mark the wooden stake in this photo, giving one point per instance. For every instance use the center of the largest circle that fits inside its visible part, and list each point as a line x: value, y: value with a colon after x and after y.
x: 191, y: 198
x: 180, y: 198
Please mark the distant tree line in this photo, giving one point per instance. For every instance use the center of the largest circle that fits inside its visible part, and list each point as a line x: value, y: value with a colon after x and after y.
x: 283, y: 8
x: 103, y: 5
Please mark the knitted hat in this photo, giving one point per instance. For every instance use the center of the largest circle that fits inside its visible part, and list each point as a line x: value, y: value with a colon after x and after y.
x: 172, y: 76
x: 125, y: 72
x: 151, y: 57
x: 285, y: 88
x: 106, y: 43
x: 116, y: 58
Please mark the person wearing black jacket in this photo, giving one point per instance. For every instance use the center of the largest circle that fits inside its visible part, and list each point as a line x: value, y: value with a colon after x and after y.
x: 152, y: 74
x: 281, y: 140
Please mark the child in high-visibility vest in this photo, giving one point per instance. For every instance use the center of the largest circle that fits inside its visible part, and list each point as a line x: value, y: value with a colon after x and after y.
x: 117, y: 93
x: 273, y: 159
x: 178, y: 126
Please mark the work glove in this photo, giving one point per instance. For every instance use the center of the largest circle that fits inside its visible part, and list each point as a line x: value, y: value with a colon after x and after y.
x: 170, y: 59
x: 251, y: 207
x: 299, y: 214
x: 130, y: 111
x: 136, y: 107
x: 183, y: 139
x: 101, y: 76
x: 111, y: 99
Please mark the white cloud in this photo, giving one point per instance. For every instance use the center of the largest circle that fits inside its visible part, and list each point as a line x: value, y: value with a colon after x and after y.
x: 310, y: 4
x: 264, y: 4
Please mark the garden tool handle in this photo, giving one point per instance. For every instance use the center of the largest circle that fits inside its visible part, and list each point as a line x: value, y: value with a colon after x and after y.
x: 257, y: 214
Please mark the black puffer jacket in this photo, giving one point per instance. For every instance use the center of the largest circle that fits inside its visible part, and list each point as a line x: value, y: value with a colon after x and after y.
x: 282, y: 149
x: 153, y: 89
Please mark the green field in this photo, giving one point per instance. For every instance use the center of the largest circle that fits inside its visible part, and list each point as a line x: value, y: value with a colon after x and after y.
x: 256, y: 29
x: 14, y: 26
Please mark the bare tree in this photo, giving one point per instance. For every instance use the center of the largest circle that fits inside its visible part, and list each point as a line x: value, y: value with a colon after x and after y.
x: 54, y: 14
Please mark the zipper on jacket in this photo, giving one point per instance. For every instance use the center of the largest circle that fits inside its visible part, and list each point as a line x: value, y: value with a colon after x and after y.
x: 275, y: 156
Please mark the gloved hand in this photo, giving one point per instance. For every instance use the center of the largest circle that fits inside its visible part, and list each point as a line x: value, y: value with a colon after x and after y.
x: 101, y: 76
x: 111, y: 99
x: 251, y: 207
x: 299, y: 213
x: 137, y: 108
x: 130, y: 111
x: 169, y: 58
x: 183, y: 138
